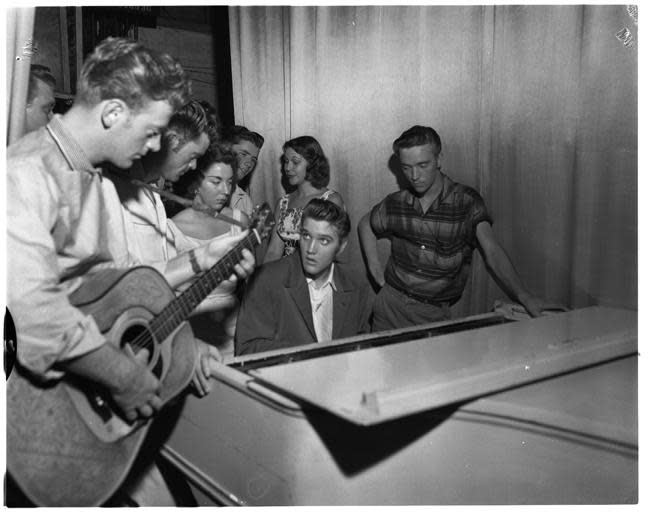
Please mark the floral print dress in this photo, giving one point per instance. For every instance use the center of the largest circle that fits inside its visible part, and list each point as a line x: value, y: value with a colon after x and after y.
x: 289, y: 226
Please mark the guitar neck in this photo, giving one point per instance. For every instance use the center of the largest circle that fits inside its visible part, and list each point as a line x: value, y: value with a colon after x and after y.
x: 179, y: 309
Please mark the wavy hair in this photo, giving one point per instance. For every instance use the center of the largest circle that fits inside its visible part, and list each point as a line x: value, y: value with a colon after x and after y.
x: 125, y: 69
x: 416, y: 136
x: 38, y: 72
x: 318, y: 171
x: 188, y: 184
x: 187, y: 123
x: 323, y: 210
x: 236, y: 133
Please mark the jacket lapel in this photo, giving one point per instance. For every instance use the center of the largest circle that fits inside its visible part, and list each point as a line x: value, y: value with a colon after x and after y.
x: 298, y: 290
x: 341, y: 304
x: 342, y: 298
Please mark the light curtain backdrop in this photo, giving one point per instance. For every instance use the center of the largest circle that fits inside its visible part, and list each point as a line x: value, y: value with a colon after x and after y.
x: 536, y: 107
x: 20, y: 26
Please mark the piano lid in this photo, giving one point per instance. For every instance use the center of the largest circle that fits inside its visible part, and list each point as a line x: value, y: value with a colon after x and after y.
x: 374, y: 385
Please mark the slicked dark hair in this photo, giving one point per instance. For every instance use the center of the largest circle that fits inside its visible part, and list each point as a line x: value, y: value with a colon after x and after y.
x: 318, y: 172
x: 236, y: 133
x: 38, y: 72
x: 326, y: 211
x: 213, y: 122
x: 217, y: 154
x: 125, y: 69
x: 416, y: 136
x: 187, y: 123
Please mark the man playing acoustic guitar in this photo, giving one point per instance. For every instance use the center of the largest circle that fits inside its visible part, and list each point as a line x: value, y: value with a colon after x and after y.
x: 184, y: 141
x: 64, y: 222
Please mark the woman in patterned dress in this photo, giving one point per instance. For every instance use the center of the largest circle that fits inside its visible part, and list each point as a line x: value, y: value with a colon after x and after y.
x: 307, y: 171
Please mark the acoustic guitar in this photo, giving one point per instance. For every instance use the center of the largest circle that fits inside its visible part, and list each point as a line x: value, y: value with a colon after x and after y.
x: 66, y: 445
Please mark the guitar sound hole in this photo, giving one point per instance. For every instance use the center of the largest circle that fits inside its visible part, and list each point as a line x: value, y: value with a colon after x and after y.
x: 138, y: 337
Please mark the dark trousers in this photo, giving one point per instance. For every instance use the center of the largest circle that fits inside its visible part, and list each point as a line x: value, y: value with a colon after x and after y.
x: 393, y: 309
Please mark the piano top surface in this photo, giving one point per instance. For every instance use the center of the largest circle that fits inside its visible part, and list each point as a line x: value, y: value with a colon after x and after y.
x: 375, y: 384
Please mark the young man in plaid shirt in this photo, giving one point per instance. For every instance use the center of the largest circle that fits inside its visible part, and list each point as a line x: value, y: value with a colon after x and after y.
x: 434, y: 226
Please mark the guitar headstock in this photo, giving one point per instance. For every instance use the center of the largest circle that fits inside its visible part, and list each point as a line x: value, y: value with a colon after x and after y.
x: 262, y: 221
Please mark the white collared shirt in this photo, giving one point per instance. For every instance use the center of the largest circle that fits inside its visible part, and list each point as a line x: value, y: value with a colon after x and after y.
x: 64, y: 221
x: 146, y: 221
x: 322, y: 306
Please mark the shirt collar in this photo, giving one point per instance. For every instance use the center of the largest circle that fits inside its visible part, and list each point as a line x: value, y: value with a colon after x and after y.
x: 329, y: 280
x: 69, y: 147
x: 445, y: 188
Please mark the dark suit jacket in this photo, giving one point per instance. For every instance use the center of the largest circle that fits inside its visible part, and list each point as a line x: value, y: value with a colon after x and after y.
x: 276, y: 308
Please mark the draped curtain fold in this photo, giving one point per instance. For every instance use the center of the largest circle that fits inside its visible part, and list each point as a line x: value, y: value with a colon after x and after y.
x: 536, y: 107
x: 20, y: 26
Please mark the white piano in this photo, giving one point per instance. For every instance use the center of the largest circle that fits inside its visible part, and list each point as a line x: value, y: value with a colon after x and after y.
x: 481, y: 410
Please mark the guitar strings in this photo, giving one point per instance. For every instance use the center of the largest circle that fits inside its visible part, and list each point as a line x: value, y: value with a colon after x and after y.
x: 145, y: 340
x: 195, y: 294
x: 215, y: 275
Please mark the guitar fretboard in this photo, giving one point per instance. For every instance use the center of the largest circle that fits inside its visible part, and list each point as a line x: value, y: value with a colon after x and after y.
x: 179, y: 310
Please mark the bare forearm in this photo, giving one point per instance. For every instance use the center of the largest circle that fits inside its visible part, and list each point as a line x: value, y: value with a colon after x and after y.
x: 503, y: 268
x: 106, y: 365
x: 132, y: 386
x: 369, y: 244
x: 181, y: 268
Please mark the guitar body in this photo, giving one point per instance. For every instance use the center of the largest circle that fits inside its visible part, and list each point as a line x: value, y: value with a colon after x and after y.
x: 65, y: 444
x: 61, y: 450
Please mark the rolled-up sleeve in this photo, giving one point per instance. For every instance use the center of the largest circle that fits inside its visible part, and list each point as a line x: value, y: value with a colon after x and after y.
x: 378, y: 218
x: 478, y: 214
x: 48, y: 328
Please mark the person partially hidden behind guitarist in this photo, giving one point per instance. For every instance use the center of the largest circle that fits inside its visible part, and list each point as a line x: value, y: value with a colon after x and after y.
x: 185, y: 139
x: 64, y: 223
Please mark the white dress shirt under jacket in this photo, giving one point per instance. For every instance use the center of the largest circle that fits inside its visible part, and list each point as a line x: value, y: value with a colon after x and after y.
x: 322, y: 306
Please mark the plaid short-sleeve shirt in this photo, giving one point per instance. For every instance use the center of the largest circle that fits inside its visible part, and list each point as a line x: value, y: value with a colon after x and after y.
x: 432, y: 251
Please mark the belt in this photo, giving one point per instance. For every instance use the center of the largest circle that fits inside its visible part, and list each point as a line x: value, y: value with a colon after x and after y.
x: 422, y: 300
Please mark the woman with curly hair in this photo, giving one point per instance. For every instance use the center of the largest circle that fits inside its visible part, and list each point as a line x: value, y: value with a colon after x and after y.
x: 306, y: 169
x: 211, y: 185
